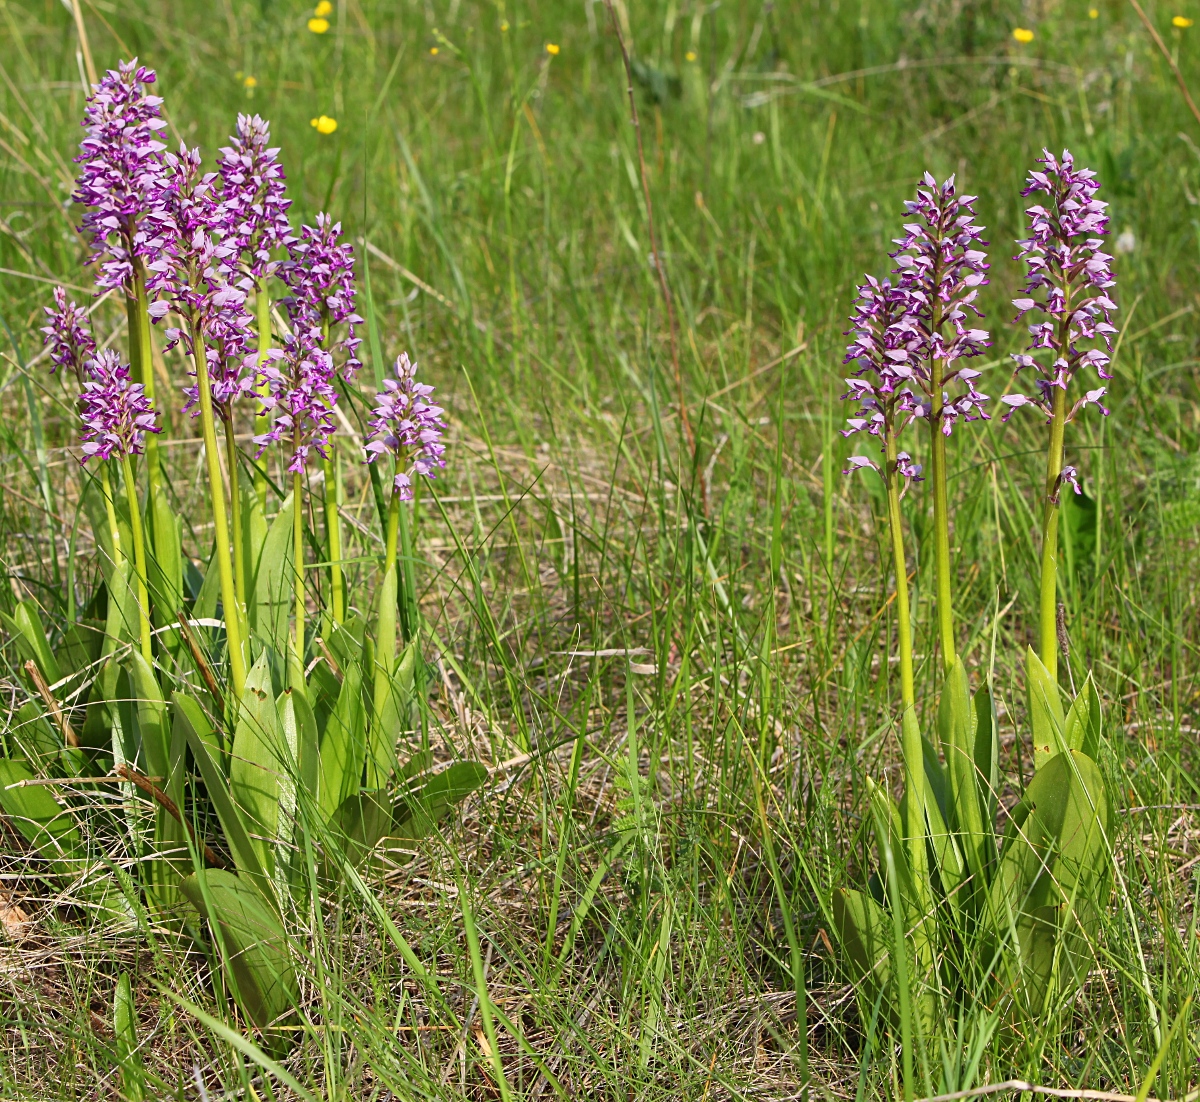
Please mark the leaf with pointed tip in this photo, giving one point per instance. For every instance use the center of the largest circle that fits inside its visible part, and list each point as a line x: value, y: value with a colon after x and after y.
x: 25, y: 626
x: 256, y: 762
x: 1045, y: 710
x: 129, y: 1059
x: 254, y: 944
x: 273, y: 582
x: 35, y: 738
x: 864, y: 931
x: 151, y: 713
x: 956, y: 725
x: 343, y: 745
x: 45, y: 824
x: 1084, y: 721
x: 164, y: 568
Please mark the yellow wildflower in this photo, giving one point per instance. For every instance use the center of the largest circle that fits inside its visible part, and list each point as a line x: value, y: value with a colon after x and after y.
x: 1093, y: 13
x: 323, y: 9
x: 1182, y: 21
x: 318, y: 25
x: 504, y: 26
x: 552, y: 49
x: 690, y: 55
x: 433, y: 50
x: 324, y: 125
x: 1022, y: 34
x: 250, y: 82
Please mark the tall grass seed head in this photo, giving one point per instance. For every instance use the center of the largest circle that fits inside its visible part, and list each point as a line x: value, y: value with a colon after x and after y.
x: 941, y: 265
x: 300, y: 398
x: 122, y: 178
x: 68, y: 337
x: 1068, y: 279
x: 319, y: 273
x: 406, y: 425
x: 253, y: 204
x: 884, y: 352
x: 115, y: 411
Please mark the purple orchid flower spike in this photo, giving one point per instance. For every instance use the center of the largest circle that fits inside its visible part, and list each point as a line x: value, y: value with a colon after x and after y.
x: 406, y: 425
x: 299, y: 397
x: 253, y: 204
x: 68, y: 337
x: 205, y: 285
x: 115, y: 410
x: 941, y: 266
x: 1071, y: 276
x: 885, y: 351
x: 123, y: 178
x: 320, y: 275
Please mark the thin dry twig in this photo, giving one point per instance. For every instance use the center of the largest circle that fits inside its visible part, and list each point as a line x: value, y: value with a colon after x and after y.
x: 202, y: 665
x: 659, y: 266
x: 168, y: 805
x: 1162, y: 47
x: 1021, y: 1086
x: 64, y: 725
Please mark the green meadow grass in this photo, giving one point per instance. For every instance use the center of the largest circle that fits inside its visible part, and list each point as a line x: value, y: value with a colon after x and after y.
x: 675, y: 662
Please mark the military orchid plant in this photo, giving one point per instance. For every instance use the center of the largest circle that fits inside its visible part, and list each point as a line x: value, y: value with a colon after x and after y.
x: 293, y: 735
x: 963, y: 915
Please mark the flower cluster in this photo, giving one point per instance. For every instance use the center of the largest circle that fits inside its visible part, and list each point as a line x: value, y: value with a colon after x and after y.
x: 1068, y: 269
x: 253, y: 204
x: 885, y: 352
x: 205, y: 285
x: 405, y: 424
x: 122, y: 180
x: 116, y: 412
x: 300, y: 399
x: 941, y: 268
x: 68, y: 337
x: 320, y: 275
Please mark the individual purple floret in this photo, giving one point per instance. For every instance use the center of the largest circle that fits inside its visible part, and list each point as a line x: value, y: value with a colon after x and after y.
x: 1072, y: 276
x: 205, y: 287
x: 116, y: 412
x: 405, y: 424
x: 68, y: 336
x: 122, y: 180
x: 320, y: 274
x: 885, y: 353
x: 253, y: 204
x: 300, y: 399
x: 941, y: 269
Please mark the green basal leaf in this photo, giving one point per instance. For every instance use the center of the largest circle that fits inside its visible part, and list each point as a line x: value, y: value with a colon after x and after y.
x: 44, y: 823
x: 1083, y: 727
x: 129, y: 1059
x: 256, y: 762
x: 956, y: 727
x: 343, y: 745
x: 274, y: 590
x: 25, y: 625
x: 253, y: 942
x: 164, y: 567
x: 1045, y: 710
x: 864, y: 930
x: 34, y: 737
x: 152, y: 715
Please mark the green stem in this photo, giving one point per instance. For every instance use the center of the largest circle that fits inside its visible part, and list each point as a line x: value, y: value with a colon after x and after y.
x: 235, y: 510
x: 333, y: 526
x: 114, y: 529
x: 262, y: 422
x: 139, y: 557
x: 941, y: 515
x: 1049, y: 593
x: 233, y: 615
x: 141, y: 362
x: 385, y: 623
x: 910, y: 732
x: 298, y: 559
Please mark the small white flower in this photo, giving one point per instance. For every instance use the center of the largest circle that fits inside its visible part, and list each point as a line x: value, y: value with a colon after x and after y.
x: 759, y: 137
x: 1126, y: 242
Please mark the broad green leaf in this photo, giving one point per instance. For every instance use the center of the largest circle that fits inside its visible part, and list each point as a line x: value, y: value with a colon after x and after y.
x: 346, y: 640
x: 164, y: 568
x: 152, y: 715
x: 242, y: 847
x: 1054, y: 879
x: 45, y: 824
x: 205, y: 607
x: 129, y: 1058
x: 25, y: 625
x: 357, y: 827
x: 951, y: 865
x: 254, y: 538
x: 80, y: 646
x: 956, y: 726
x: 122, y: 623
x: 256, y: 762
x: 864, y: 931
x: 34, y: 736
x: 417, y: 814
x: 1084, y: 723
x: 1045, y: 710
x: 274, y: 582
x: 987, y: 769
x: 343, y: 745
x: 253, y: 942
x: 392, y: 719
